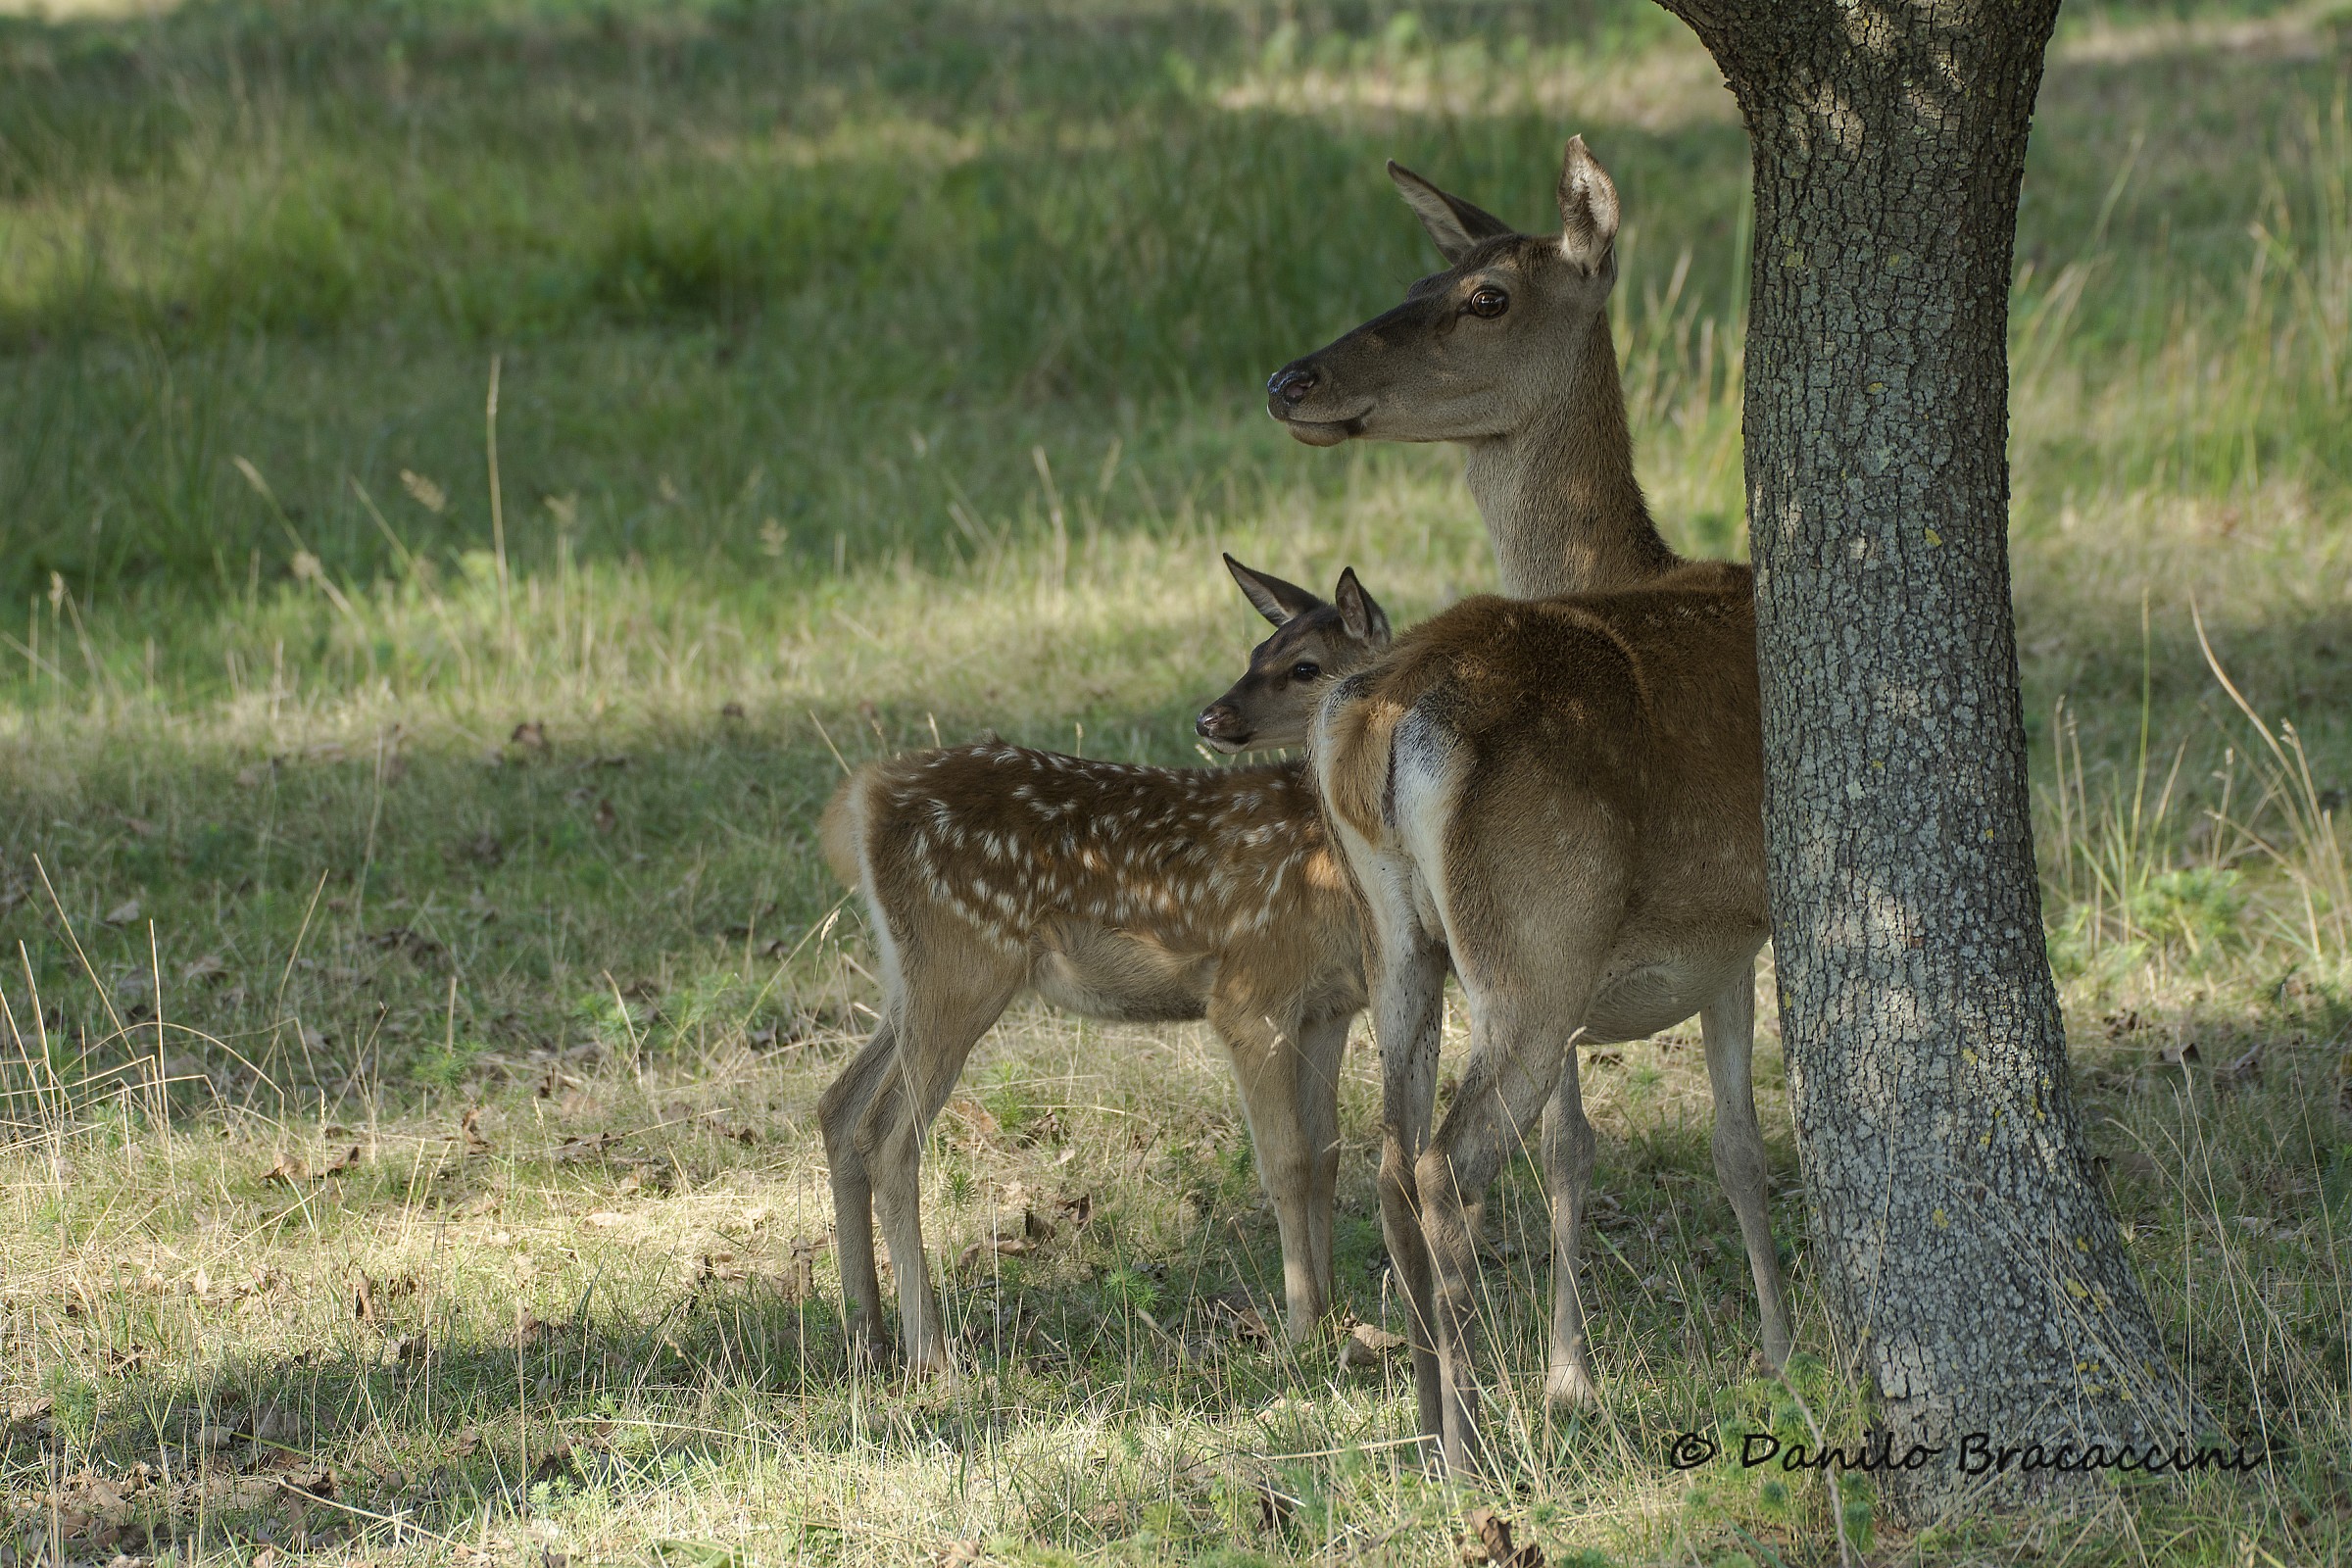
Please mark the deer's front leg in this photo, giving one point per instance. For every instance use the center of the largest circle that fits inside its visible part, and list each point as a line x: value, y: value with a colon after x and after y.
x: 1729, y: 1025
x: 1265, y: 1053
x: 1323, y: 1048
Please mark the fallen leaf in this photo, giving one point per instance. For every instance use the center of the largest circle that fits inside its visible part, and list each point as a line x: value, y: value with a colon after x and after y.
x: 1249, y: 1325
x: 348, y: 1160
x: 471, y: 1130
x: 122, y: 913
x: 605, y: 1220
x: 1366, y: 1346
x: 730, y: 711
x: 978, y: 1124
x: 319, y: 1482
x: 959, y: 1554
x: 2247, y: 1068
x: 363, y: 1300
x: 606, y: 818
x: 576, y: 1147
x: 530, y: 735
x: 1491, y: 1543
x: 278, y: 1424
x: 2179, y: 1052
x: 556, y: 1463
x: 470, y: 1440
x: 204, y: 971
x: 288, y: 1170
x: 485, y: 849
x: 696, y: 1555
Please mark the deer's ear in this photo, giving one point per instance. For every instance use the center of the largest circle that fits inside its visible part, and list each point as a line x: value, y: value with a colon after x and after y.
x: 1279, y: 601
x: 1360, y: 612
x: 1455, y: 225
x: 1588, y: 209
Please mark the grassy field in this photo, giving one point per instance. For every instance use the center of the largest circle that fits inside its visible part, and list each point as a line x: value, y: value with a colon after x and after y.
x: 419, y: 977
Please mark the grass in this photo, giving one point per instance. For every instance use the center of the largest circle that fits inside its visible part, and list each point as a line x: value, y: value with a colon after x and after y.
x: 866, y: 370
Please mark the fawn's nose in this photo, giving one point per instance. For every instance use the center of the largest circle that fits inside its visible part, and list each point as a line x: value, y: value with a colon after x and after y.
x: 1221, y: 721
x: 1288, y: 385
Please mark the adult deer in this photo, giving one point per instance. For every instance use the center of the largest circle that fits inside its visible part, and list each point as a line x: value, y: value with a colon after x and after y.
x: 1561, y: 797
x: 1118, y: 892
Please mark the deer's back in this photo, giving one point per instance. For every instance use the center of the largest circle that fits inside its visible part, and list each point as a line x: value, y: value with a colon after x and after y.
x: 1042, y: 852
x: 1642, y: 705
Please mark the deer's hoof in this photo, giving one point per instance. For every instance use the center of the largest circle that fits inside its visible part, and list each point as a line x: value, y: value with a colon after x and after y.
x: 1570, y: 1388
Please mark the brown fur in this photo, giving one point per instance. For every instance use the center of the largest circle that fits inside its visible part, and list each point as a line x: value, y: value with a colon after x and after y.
x: 1139, y: 894
x: 1597, y: 830
x: 1562, y: 799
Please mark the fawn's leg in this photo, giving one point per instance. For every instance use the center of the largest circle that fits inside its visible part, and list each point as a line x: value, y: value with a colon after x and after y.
x: 840, y: 1113
x: 942, y: 1020
x: 1729, y: 1026
x: 1322, y: 1047
x: 1265, y: 1066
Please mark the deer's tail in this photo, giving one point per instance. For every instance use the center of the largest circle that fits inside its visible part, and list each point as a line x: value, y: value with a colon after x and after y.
x: 1352, y: 734
x: 842, y: 830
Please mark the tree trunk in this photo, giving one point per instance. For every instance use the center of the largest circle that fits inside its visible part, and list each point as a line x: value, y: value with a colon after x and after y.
x: 1970, y: 1261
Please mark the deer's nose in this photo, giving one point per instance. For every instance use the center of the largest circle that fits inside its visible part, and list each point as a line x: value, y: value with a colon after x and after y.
x: 1220, y: 722
x: 1290, y: 384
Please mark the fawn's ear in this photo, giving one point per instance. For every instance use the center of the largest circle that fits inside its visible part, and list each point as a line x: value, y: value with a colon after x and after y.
x: 1588, y: 210
x: 1455, y: 225
x: 1279, y: 601
x: 1360, y: 612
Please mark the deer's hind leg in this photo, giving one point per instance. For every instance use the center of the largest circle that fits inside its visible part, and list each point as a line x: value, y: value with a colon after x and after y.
x: 841, y: 1113
x: 948, y: 1001
x: 1405, y: 971
x: 1568, y: 1151
x: 1729, y: 1025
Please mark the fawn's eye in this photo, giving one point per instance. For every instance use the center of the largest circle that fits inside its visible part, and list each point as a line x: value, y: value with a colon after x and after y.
x: 1489, y: 302
x: 1305, y: 670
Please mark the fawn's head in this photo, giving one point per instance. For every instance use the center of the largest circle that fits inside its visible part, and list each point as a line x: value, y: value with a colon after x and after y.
x: 1313, y: 644
x: 1479, y: 350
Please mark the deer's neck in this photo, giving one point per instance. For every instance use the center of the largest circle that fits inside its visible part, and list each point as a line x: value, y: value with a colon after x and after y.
x: 1559, y: 497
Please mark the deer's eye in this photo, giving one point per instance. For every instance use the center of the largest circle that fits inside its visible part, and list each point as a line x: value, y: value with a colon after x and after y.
x: 1305, y: 670
x: 1489, y: 302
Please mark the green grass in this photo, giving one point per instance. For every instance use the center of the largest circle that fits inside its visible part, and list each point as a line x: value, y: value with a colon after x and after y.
x: 868, y: 369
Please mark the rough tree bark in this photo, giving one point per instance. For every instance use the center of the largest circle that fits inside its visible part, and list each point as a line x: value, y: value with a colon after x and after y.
x: 1970, y: 1258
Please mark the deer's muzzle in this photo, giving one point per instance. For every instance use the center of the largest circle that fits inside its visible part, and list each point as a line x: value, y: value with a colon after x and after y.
x: 1292, y: 385
x: 1221, y: 725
